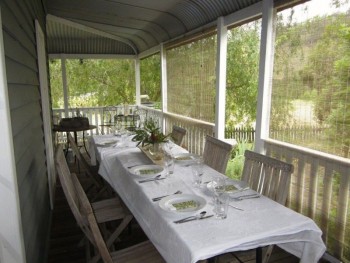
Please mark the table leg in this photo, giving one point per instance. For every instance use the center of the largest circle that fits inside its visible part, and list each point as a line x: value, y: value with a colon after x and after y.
x: 259, y: 255
x: 87, y: 152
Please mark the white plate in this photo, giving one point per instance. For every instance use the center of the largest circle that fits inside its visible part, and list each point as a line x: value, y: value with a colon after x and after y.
x: 145, y: 171
x: 167, y: 203
x: 106, y: 143
x: 231, y: 186
x: 185, y: 157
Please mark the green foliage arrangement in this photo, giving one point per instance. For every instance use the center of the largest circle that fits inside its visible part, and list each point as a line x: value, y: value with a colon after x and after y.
x: 150, y: 134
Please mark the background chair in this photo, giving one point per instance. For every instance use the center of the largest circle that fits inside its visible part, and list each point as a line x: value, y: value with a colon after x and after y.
x: 107, y: 210
x: 178, y: 134
x: 94, y: 180
x: 216, y: 153
x: 88, y: 215
x: 108, y: 114
x: 269, y: 177
x: 140, y: 117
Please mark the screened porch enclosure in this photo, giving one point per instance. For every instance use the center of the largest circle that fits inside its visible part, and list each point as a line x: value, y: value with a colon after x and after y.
x: 293, y: 91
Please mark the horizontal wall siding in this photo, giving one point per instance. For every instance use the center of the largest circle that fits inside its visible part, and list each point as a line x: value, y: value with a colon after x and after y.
x: 18, y: 18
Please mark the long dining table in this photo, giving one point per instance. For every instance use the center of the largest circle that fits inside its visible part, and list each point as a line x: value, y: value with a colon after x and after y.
x: 253, y: 223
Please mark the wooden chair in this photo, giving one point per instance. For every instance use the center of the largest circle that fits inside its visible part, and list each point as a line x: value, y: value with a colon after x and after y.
x: 216, y: 153
x: 108, y: 114
x: 95, y: 181
x: 89, y: 215
x: 142, y: 252
x: 107, y: 210
x: 269, y: 177
x: 178, y: 135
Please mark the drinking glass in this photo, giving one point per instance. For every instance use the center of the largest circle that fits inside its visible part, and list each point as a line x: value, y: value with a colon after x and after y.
x: 219, y: 184
x: 197, y: 173
x: 167, y: 147
x: 168, y: 165
x: 221, y: 205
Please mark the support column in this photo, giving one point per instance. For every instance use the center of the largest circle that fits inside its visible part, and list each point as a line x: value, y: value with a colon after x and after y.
x: 265, y: 75
x: 138, y: 81
x: 65, y: 87
x: 221, y: 63
x: 164, y: 82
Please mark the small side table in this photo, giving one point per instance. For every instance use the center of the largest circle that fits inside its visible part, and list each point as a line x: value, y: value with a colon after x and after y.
x: 75, y: 130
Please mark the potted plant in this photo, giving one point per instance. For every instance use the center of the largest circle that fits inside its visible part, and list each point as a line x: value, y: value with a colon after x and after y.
x: 150, y: 135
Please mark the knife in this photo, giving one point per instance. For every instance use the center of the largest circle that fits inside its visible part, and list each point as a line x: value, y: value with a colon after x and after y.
x: 193, y: 219
x: 151, y: 180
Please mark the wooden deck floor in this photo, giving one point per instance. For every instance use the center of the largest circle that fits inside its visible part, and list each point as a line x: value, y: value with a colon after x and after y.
x: 65, y: 236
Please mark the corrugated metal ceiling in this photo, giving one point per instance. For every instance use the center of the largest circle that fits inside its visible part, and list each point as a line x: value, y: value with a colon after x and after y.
x: 128, y: 26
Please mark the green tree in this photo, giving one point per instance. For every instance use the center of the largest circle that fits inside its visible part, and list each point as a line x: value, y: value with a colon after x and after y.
x: 327, y: 73
x: 339, y: 113
x: 94, y: 82
x: 242, y: 73
x: 150, y: 77
x: 56, y: 83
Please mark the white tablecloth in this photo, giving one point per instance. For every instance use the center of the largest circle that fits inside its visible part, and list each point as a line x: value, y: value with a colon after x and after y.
x: 263, y: 221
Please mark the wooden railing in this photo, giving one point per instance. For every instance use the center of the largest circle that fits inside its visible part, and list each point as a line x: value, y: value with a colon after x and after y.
x: 320, y: 190
x: 196, y: 130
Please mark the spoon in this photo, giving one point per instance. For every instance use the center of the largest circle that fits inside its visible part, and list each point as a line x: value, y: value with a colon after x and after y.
x: 160, y: 197
x: 200, y: 215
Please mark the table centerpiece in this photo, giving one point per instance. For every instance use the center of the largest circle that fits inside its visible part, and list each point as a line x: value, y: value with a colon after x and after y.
x: 150, y: 138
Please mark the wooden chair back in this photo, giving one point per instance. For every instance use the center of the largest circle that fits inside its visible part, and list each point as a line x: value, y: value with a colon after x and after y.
x: 267, y: 175
x: 81, y: 206
x: 178, y: 135
x: 216, y: 153
x: 82, y: 161
x: 90, y: 226
x: 72, y: 192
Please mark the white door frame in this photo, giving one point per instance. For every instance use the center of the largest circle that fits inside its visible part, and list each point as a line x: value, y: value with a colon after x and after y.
x: 12, y: 249
x: 46, y: 111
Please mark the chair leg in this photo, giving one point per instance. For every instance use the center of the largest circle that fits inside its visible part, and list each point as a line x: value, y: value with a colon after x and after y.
x: 235, y: 256
x: 267, y: 254
x: 126, y: 220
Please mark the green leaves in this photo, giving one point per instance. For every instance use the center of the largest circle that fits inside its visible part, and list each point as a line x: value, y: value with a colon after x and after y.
x: 150, y: 134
